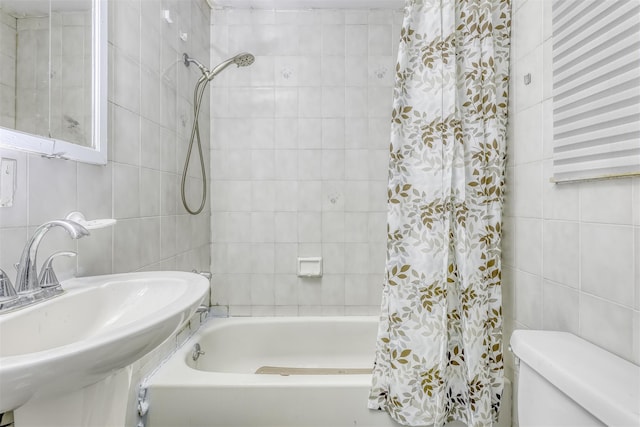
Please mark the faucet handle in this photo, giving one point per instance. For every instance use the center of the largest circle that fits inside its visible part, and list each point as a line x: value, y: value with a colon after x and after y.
x: 7, y: 291
x: 48, y: 277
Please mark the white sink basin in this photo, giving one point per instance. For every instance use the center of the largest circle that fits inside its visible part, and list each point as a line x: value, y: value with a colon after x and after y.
x: 99, y: 325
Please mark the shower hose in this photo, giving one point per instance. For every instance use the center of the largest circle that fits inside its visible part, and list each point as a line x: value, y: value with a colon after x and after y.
x: 198, y: 93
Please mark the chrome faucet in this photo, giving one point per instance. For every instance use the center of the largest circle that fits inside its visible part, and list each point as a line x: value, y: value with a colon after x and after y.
x: 27, y: 277
x: 28, y: 289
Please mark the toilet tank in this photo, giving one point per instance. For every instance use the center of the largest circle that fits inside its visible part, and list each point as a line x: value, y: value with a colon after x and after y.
x: 564, y: 380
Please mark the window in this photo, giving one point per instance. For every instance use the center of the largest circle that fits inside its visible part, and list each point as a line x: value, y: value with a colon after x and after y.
x: 596, y: 89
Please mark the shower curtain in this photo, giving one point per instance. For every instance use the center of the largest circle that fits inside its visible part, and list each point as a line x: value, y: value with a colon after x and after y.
x: 439, y: 348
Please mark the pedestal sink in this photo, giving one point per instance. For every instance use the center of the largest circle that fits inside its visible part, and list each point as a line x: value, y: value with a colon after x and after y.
x: 96, y: 327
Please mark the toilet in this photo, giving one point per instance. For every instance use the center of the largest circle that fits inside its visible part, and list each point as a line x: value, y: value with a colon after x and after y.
x: 563, y: 380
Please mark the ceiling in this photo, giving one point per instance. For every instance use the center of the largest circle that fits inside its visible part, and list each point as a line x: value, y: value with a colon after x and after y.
x: 309, y: 4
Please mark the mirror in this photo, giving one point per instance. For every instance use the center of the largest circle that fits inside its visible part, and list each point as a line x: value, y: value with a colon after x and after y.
x: 53, y: 78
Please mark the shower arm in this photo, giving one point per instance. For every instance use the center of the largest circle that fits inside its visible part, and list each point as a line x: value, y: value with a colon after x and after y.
x: 206, y: 72
x: 241, y: 60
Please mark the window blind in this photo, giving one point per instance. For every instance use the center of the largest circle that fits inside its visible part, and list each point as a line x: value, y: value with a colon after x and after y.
x: 596, y: 89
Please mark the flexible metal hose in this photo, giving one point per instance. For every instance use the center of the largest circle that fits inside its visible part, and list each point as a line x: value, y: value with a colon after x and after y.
x: 198, y: 93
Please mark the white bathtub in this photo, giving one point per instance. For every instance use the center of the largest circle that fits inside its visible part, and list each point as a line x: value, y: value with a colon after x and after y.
x: 222, y: 389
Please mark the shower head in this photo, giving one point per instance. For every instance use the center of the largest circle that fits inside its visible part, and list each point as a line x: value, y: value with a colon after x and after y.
x: 241, y: 60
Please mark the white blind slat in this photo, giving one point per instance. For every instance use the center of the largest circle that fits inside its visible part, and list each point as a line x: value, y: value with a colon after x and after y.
x: 627, y: 81
x: 605, y: 102
x: 598, y: 150
x: 599, y: 121
x: 599, y: 164
x: 614, y: 133
x: 621, y: 163
x: 608, y: 71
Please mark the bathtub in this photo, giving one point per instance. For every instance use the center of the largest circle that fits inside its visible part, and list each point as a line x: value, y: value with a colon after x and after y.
x: 318, y: 374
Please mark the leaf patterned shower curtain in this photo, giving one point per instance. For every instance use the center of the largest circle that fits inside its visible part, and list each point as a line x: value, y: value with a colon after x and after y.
x: 439, y: 349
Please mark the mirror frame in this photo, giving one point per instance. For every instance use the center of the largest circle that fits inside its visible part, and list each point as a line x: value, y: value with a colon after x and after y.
x: 60, y: 149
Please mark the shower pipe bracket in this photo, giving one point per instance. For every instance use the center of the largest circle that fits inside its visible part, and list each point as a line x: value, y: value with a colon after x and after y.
x: 143, y: 402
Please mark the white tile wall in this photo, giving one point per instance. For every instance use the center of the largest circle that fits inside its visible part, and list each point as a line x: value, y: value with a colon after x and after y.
x: 589, y: 246
x: 561, y: 251
x: 299, y: 158
x: 140, y: 184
